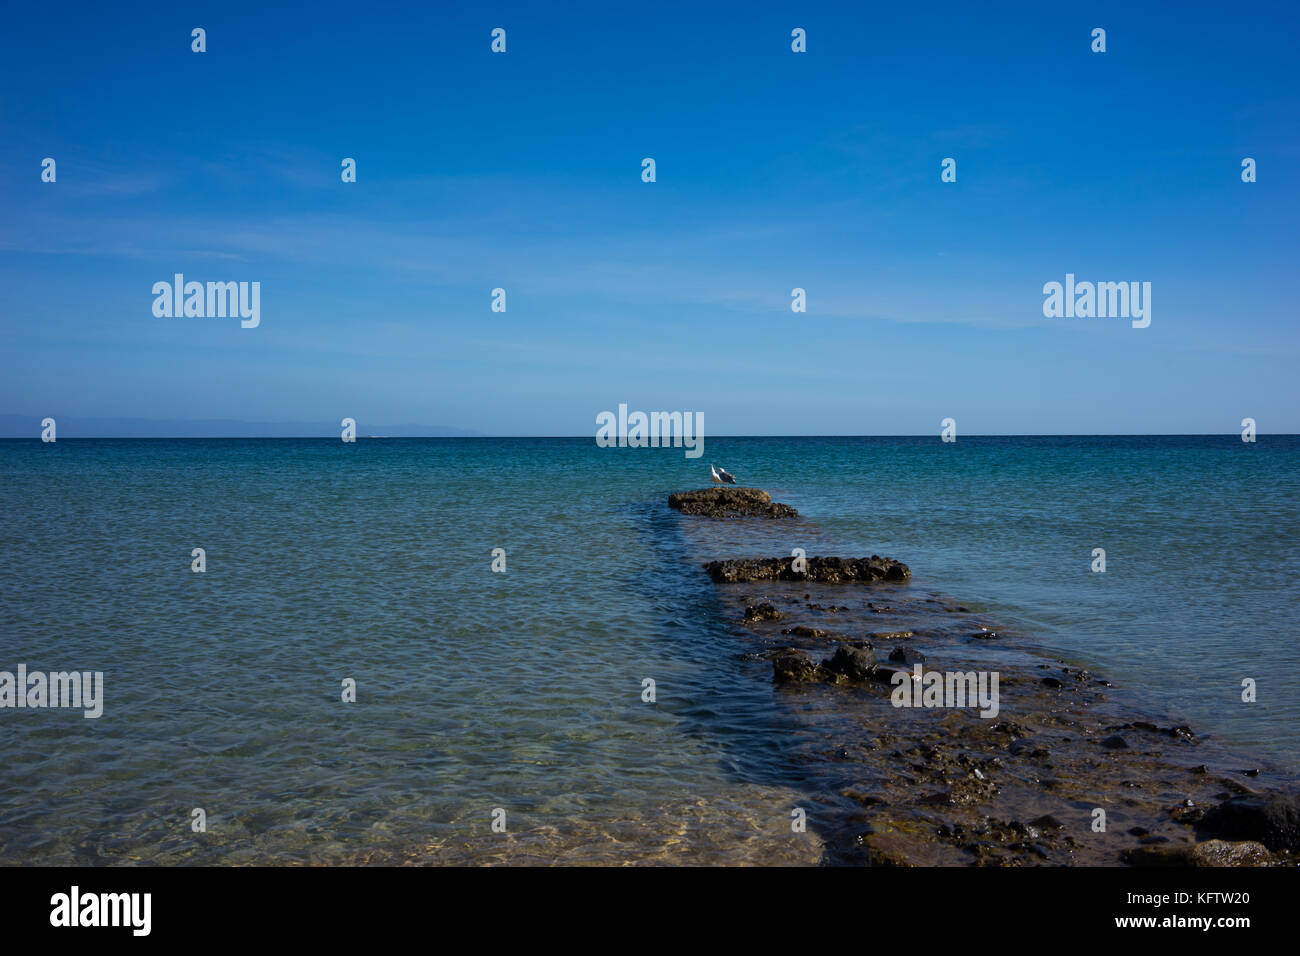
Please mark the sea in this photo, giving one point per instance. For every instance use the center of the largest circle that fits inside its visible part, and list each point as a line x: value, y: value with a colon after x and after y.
x: 506, y: 650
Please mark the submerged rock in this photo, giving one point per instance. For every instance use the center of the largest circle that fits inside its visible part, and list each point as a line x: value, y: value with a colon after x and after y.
x: 900, y: 655
x: 803, y: 630
x: 1178, y: 732
x: 944, y: 785
x: 729, y: 502
x: 827, y: 570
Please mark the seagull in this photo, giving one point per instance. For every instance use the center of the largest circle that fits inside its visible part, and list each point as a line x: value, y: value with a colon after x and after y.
x: 713, y: 470
x: 722, y: 475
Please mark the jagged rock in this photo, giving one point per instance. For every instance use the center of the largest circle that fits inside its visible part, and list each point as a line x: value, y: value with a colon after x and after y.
x: 855, y: 663
x: 762, y: 612
x: 826, y: 570
x: 791, y: 666
x: 729, y: 502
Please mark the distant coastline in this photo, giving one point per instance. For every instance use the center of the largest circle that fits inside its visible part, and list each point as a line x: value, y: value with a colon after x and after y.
x: 29, y: 426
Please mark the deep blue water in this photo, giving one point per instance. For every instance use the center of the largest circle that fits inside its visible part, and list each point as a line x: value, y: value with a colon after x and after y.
x: 522, y: 690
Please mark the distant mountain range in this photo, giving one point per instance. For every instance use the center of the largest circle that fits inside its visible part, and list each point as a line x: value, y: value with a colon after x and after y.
x: 29, y: 426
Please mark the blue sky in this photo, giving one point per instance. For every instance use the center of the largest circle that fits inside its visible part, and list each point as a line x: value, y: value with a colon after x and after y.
x: 775, y: 170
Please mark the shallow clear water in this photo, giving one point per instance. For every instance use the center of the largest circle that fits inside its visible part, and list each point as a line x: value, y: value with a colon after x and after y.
x: 522, y: 690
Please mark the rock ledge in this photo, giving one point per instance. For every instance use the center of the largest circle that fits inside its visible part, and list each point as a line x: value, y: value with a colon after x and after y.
x: 729, y: 502
x: 829, y: 570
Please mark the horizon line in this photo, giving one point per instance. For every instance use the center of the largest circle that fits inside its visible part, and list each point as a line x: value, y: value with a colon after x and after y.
x: 481, y: 437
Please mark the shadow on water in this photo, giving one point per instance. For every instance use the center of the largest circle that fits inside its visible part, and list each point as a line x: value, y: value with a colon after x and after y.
x: 733, y: 705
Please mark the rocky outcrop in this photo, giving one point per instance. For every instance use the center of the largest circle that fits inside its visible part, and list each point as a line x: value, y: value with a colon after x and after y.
x: 943, y: 785
x: 855, y: 663
x: 793, y: 666
x: 851, y: 661
x: 1272, y: 819
x: 825, y: 570
x: 729, y: 502
x: 762, y: 612
x: 1209, y: 853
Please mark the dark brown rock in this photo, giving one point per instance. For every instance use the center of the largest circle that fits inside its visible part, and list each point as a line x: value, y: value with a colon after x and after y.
x: 855, y: 663
x: 791, y: 666
x: 1271, y: 819
x: 827, y: 570
x: 803, y: 630
x: 1209, y: 853
x: 729, y: 502
x: 762, y: 612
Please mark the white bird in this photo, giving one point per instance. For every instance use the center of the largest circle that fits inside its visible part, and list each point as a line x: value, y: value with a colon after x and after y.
x: 723, y: 475
x: 713, y: 470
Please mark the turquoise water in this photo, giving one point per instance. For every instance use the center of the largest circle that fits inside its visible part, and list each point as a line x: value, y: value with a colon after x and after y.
x: 522, y: 691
